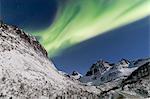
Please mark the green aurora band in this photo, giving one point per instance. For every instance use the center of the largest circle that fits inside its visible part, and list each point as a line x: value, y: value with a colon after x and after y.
x: 80, y: 20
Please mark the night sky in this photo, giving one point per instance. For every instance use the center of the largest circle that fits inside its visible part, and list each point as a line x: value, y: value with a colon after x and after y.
x: 130, y: 41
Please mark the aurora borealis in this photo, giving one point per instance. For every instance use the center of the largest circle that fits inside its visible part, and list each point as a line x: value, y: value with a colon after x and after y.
x: 80, y: 20
x: 77, y: 33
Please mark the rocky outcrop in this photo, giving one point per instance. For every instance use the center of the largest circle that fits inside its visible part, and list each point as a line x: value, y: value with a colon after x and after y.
x: 135, y: 86
x: 98, y: 68
x: 76, y: 75
x: 139, y: 81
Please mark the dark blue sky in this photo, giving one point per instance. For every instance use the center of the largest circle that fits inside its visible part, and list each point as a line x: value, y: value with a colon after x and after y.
x: 131, y: 41
x: 28, y: 14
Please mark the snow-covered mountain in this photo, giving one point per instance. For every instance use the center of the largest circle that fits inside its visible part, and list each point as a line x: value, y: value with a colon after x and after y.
x: 27, y: 73
x: 121, y: 77
x: 103, y: 72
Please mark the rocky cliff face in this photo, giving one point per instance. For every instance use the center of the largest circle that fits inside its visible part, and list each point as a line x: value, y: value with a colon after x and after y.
x: 27, y: 73
x: 134, y: 86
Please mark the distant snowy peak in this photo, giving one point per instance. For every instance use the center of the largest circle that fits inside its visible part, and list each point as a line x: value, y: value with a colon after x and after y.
x: 76, y: 75
x: 101, y: 66
x: 123, y: 63
x: 103, y: 72
x: 98, y: 68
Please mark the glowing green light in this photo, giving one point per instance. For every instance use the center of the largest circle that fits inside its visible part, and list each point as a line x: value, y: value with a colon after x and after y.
x: 79, y: 20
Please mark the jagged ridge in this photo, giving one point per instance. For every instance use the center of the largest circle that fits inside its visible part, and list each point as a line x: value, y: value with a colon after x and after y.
x: 26, y: 71
x: 24, y: 36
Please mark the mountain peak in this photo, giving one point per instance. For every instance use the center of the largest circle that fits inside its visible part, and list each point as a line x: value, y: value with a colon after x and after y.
x: 123, y: 63
x: 99, y: 67
x: 10, y: 32
x: 103, y: 72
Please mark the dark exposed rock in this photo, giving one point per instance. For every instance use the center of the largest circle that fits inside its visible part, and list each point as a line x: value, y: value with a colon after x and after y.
x: 74, y: 73
x: 100, y: 67
x: 139, y: 73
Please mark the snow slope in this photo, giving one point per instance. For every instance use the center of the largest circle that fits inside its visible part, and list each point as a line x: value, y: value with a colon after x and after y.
x: 26, y: 71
